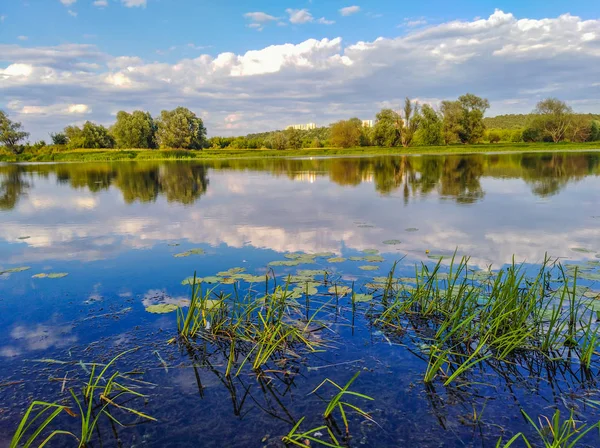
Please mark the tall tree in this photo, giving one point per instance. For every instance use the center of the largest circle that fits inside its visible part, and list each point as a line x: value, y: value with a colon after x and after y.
x: 180, y: 128
x: 553, y: 118
x: 387, y: 129
x: 91, y: 135
x: 134, y: 130
x: 452, y: 121
x: 59, y: 138
x: 410, y: 123
x: 11, y: 133
x: 473, y: 110
x: 293, y: 138
x: 346, y: 133
x: 430, y: 127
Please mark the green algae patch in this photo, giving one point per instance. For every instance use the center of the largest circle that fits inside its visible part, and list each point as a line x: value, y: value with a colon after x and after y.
x: 15, y: 270
x: 392, y: 242
x: 161, y: 308
x: 336, y: 260
x: 51, y: 275
x: 368, y: 268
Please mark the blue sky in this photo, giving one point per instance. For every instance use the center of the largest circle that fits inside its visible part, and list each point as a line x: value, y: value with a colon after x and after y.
x: 177, y: 49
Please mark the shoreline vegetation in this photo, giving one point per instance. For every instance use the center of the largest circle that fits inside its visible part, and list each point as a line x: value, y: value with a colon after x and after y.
x: 458, y: 126
x: 108, y: 155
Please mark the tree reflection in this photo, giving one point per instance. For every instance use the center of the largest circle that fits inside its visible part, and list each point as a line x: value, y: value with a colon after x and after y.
x: 12, y: 185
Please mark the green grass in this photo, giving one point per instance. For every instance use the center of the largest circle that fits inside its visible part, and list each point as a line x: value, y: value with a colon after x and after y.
x: 107, y: 155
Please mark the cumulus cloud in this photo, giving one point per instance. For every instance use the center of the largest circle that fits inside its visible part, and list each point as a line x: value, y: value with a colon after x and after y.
x: 101, y: 3
x: 349, y: 10
x: 68, y: 2
x: 72, y: 13
x: 22, y: 37
x: 259, y: 17
x: 299, y: 16
x: 512, y: 62
x: 324, y: 21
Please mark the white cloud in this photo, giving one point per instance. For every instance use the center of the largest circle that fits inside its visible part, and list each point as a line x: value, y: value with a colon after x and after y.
x: 134, y: 3
x: 101, y: 3
x: 259, y: 17
x: 22, y: 37
x: 317, y: 80
x: 299, y: 16
x: 349, y: 10
x: 68, y: 2
x: 2, y: 18
x: 324, y: 21
x: 72, y: 13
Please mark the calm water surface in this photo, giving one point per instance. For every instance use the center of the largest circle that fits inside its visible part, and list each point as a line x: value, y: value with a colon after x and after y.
x: 115, y: 228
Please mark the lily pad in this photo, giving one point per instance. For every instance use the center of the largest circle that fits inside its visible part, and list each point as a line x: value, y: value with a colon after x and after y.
x: 24, y: 237
x: 231, y: 272
x: 285, y: 263
x: 336, y: 260
x: 582, y: 250
x: 392, y: 242
x: 361, y: 298
x: 212, y: 280
x: 50, y: 275
x: 312, y: 272
x: 13, y: 270
x: 298, y: 278
x: 374, y: 259
x: 368, y: 268
x: 190, y: 281
x: 187, y: 253
x: 323, y: 255
x: 365, y: 226
x: 339, y: 290
x: 356, y: 258
x: 228, y: 281
x: 251, y: 278
x: 370, y: 251
x: 161, y: 308
x: 411, y: 229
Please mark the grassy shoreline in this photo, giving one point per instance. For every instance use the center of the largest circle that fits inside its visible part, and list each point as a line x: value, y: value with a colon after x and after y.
x: 106, y: 155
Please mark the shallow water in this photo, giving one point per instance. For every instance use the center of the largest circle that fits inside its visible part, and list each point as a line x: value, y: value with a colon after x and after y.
x: 115, y: 229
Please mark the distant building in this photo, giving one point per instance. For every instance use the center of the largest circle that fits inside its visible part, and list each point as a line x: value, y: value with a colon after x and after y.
x: 303, y: 127
x: 367, y: 123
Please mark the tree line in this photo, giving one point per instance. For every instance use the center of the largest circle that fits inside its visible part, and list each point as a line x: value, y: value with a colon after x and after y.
x: 454, y: 122
x: 177, y: 128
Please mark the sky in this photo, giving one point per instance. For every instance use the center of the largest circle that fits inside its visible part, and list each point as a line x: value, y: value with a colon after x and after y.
x: 253, y: 66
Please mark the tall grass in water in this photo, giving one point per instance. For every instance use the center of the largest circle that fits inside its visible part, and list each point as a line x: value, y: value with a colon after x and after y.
x: 466, y: 320
x: 100, y: 395
x: 554, y: 433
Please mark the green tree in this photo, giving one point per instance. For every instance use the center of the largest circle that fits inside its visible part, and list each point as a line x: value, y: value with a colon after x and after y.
x: 134, y: 130
x: 552, y: 118
x: 180, y: 128
x: 386, y: 131
x: 473, y: 110
x: 452, y: 121
x: 346, y: 133
x: 430, y: 130
x: 11, y: 133
x: 279, y: 140
x: 293, y: 138
x: 595, y: 131
x: 410, y: 124
x: 91, y: 135
x: 59, y: 138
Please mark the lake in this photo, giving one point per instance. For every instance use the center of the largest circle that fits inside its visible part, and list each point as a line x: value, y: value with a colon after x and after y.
x: 95, y: 259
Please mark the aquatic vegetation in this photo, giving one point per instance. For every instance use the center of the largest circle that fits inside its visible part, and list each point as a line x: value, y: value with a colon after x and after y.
x: 370, y: 251
x: 336, y: 260
x: 411, y: 229
x: 358, y: 298
x: 191, y: 280
x: 582, y: 250
x: 368, y: 268
x: 190, y: 252
x: 15, y: 270
x: 374, y: 259
x: 392, y: 242
x: 339, y: 290
x: 50, y: 275
x: 162, y: 308
x: 230, y: 272
x: 285, y: 263
x: 102, y: 393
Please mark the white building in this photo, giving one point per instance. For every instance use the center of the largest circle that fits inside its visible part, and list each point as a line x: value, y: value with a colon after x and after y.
x: 303, y: 127
x: 367, y: 123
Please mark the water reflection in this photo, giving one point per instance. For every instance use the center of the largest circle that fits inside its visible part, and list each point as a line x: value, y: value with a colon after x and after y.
x: 99, y: 210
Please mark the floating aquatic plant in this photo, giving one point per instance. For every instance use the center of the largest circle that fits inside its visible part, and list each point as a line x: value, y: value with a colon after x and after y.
x: 161, y: 308
x: 374, y: 259
x: 14, y: 270
x: 358, y: 298
x: 50, y: 275
x: 368, y: 268
x: 370, y: 251
x: 187, y: 253
x: 392, y: 242
x: 411, y: 229
x: 336, y: 260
